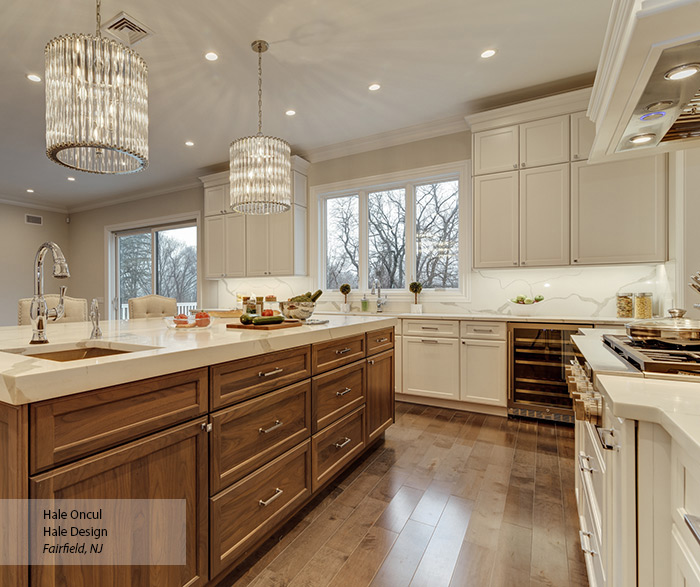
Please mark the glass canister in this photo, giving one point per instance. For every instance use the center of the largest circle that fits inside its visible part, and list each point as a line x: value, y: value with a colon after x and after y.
x: 642, y: 305
x: 625, y: 305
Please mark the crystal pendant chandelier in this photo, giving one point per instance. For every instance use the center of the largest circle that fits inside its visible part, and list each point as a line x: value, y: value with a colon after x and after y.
x: 261, y: 170
x: 96, y: 104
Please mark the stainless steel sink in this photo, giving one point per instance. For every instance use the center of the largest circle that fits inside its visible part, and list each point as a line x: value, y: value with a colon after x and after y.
x: 78, y: 351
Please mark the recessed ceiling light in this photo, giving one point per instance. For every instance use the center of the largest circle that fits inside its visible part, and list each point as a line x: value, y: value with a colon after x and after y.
x: 682, y: 71
x: 189, y: 143
x: 653, y: 116
x: 211, y: 56
x: 374, y: 87
x: 33, y: 77
x: 70, y: 178
x: 661, y: 105
x: 290, y: 112
x: 30, y: 191
x: 488, y: 53
x: 641, y: 139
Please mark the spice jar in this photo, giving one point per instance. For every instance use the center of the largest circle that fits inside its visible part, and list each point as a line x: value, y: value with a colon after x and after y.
x: 642, y: 305
x: 625, y: 305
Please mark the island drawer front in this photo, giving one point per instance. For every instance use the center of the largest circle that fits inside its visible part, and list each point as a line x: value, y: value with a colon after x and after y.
x: 248, y: 435
x: 234, y: 382
x: 337, y: 393
x: 69, y: 428
x: 336, y: 353
x: 423, y: 327
x: 242, y: 513
x: 380, y: 340
x: 337, y: 445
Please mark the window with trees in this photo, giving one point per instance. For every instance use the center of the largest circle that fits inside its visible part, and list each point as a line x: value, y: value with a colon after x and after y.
x: 392, y: 235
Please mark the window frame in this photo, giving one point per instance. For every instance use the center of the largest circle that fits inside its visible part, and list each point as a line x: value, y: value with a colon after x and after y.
x: 320, y: 194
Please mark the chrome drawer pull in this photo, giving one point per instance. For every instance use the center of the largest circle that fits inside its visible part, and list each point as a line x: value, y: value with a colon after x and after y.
x: 273, y: 372
x: 583, y: 467
x: 343, y: 351
x: 429, y: 328
x: 370, y: 361
x: 342, y: 443
x: 485, y: 330
x: 604, y: 432
x: 585, y: 550
x: 694, y: 525
x: 381, y: 340
x: 428, y: 340
x: 276, y: 425
x: 278, y: 492
x: 342, y: 393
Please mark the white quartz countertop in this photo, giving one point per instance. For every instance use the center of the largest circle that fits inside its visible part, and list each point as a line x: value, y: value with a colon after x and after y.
x: 491, y: 316
x: 25, y: 379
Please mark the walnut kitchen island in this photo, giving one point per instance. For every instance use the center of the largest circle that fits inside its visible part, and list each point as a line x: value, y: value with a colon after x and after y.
x: 245, y: 426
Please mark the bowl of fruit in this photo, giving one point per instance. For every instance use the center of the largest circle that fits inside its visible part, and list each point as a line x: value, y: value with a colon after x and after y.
x: 525, y: 305
x: 198, y: 321
x: 300, y: 307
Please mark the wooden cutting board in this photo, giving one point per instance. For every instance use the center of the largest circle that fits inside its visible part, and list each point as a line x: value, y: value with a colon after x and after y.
x: 285, y: 324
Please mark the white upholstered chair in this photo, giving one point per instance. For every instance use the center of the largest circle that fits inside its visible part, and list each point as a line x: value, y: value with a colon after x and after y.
x: 74, y: 309
x: 152, y: 306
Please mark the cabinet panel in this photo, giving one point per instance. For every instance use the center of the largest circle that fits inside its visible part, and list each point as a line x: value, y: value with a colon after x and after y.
x: 398, y: 365
x: 431, y: 367
x: 544, y: 142
x: 496, y: 220
x: 214, y: 259
x: 336, y: 353
x: 216, y: 200
x: 483, y: 372
x: 248, y: 435
x: 380, y: 340
x: 684, y: 568
x: 281, y: 243
x: 380, y: 394
x: 256, y: 245
x: 234, y: 245
x: 495, y: 150
x: 422, y: 327
x: 582, y: 135
x: 337, y: 393
x: 481, y: 329
x: 618, y: 211
x: 167, y: 465
x: 544, y: 216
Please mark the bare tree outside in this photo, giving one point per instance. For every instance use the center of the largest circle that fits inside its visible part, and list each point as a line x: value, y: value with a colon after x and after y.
x: 135, y: 265
x: 437, y: 234
x: 386, y: 225
x: 342, y: 241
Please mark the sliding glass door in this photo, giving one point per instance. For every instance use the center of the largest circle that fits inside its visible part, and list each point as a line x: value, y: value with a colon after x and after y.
x: 160, y: 260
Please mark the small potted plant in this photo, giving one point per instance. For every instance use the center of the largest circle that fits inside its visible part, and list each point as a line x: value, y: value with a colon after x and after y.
x: 345, y: 290
x: 415, y: 288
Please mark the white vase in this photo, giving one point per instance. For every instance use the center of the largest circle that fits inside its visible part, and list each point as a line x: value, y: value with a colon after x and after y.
x: 345, y: 308
x: 416, y: 308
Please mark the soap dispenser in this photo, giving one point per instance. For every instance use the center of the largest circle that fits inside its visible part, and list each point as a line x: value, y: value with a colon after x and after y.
x: 365, y: 303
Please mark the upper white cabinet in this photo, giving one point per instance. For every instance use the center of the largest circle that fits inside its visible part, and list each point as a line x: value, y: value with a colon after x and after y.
x: 216, y: 200
x: 496, y: 217
x: 618, y: 211
x: 544, y: 215
x: 227, y: 260
x: 582, y: 135
x: 544, y: 142
x: 496, y: 150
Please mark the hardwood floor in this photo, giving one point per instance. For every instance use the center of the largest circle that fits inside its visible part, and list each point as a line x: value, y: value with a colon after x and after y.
x: 449, y: 499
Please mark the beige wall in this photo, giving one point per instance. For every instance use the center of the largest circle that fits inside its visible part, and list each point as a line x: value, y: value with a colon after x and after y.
x: 18, y: 246
x: 87, y: 234
x: 444, y: 149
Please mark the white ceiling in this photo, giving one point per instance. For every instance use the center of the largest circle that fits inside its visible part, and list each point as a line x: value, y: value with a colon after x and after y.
x: 323, y: 55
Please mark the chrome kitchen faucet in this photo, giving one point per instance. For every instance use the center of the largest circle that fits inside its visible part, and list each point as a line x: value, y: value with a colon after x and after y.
x: 38, y: 312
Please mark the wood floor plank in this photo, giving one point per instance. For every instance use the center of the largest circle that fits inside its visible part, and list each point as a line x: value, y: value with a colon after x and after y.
x: 474, y: 566
x: 364, y: 562
x: 321, y: 569
x: 400, y: 564
x: 354, y: 528
x: 400, y: 509
x: 430, y: 507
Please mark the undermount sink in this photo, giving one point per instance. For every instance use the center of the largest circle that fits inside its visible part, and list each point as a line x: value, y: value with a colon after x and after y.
x: 78, y: 351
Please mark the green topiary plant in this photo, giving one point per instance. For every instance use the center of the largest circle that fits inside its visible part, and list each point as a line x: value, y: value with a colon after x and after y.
x: 415, y: 288
x: 345, y: 290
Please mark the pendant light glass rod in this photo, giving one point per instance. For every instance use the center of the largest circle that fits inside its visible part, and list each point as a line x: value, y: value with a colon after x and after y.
x: 260, y: 174
x: 96, y: 104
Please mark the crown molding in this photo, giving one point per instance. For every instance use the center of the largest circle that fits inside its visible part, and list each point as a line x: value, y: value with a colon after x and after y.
x: 33, y: 206
x: 426, y: 130
x: 132, y: 198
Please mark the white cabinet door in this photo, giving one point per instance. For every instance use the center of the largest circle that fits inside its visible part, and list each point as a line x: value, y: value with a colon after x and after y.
x: 483, y: 372
x: 618, y: 211
x: 256, y: 248
x: 496, y: 220
x: 234, y: 245
x: 495, y: 150
x: 214, y: 259
x: 431, y: 367
x: 582, y: 135
x: 398, y: 369
x: 544, y: 142
x: 281, y: 243
x: 544, y: 216
x: 216, y: 200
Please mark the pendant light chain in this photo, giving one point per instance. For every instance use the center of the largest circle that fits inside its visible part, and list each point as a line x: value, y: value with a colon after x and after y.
x: 98, y: 32
x: 260, y: 91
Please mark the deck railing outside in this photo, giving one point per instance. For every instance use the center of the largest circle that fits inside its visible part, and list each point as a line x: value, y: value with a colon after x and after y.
x: 182, y: 308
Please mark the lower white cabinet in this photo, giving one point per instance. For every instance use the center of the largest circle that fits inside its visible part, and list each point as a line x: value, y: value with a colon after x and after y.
x: 224, y: 242
x: 431, y: 367
x: 684, y: 569
x: 483, y: 372
x: 398, y: 367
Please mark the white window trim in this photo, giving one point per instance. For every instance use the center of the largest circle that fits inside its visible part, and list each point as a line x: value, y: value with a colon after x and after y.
x: 109, y: 249
x: 317, y: 235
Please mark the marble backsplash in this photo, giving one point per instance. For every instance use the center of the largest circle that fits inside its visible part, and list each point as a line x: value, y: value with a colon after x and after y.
x: 568, y: 291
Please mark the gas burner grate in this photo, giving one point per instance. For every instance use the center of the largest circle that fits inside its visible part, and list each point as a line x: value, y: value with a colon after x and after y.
x: 655, y: 357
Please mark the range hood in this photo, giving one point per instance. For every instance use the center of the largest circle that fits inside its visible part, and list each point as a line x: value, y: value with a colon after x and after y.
x: 646, y: 96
